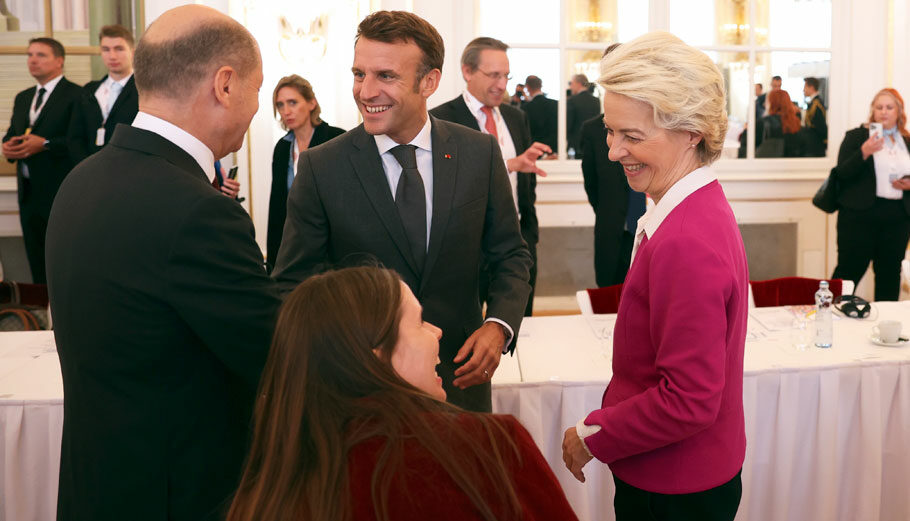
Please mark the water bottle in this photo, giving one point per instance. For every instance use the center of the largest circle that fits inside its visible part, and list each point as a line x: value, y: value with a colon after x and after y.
x: 824, y: 320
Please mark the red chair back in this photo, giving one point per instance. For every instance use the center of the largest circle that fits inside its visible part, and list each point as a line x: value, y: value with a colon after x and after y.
x: 605, y: 300
x: 790, y: 291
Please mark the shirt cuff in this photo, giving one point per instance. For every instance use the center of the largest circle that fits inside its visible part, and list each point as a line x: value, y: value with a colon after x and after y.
x: 584, y: 431
x: 508, y: 328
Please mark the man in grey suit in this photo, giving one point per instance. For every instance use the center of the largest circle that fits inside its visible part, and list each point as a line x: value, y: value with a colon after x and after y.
x: 422, y: 196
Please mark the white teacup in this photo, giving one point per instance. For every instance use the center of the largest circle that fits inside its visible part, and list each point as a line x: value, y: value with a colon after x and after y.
x: 888, y: 331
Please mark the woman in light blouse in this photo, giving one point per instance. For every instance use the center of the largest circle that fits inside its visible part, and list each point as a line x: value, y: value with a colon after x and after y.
x: 671, y: 423
x: 873, y: 174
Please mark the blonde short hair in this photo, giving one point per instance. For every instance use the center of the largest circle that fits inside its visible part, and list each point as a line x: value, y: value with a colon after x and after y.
x: 680, y: 83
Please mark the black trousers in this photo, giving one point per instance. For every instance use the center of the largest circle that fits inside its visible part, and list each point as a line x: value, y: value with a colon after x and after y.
x: 716, y: 504
x: 878, y: 235
x: 33, y: 220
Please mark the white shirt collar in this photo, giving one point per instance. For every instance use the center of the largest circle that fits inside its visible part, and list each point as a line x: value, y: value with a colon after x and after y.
x: 108, y: 80
x: 677, y: 193
x: 183, y: 139
x: 475, y: 105
x: 422, y: 140
x: 48, y: 87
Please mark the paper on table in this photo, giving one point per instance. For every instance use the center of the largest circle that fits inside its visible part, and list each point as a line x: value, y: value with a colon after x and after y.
x: 773, y: 319
x: 601, y: 325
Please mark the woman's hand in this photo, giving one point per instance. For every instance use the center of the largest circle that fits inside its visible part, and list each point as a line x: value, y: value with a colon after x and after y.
x: 872, y: 145
x: 574, y: 454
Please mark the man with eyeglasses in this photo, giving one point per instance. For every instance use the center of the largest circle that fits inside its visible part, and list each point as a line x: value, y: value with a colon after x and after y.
x: 485, y: 68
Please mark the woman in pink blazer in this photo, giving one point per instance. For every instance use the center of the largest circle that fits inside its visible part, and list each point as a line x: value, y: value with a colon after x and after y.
x: 671, y: 422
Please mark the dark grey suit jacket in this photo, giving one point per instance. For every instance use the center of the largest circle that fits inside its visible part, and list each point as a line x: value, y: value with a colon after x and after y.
x: 341, y: 210
x: 163, y: 315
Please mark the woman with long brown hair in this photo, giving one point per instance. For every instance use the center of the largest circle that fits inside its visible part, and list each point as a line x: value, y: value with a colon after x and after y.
x: 351, y: 422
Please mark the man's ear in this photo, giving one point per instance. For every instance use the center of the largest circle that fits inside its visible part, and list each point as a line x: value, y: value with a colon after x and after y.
x: 430, y: 83
x: 225, y: 84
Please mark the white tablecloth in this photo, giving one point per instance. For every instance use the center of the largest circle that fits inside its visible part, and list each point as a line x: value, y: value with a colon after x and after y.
x: 828, y: 431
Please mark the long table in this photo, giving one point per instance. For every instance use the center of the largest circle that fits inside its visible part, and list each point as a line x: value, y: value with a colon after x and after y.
x: 828, y: 431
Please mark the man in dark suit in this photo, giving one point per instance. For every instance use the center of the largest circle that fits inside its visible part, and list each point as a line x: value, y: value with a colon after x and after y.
x: 40, y: 139
x: 424, y: 197
x: 616, y: 206
x: 541, y: 112
x: 162, y: 309
x: 581, y: 106
x: 815, y: 125
x: 485, y: 68
x: 112, y: 99
x: 760, y: 98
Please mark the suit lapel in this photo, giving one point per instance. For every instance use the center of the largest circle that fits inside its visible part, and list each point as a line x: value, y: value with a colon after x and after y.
x: 50, y: 104
x: 125, y: 93
x: 463, y: 114
x: 368, y: 166
x: 445, y: 160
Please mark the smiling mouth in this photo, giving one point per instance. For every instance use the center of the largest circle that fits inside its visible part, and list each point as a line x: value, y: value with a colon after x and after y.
x: 634, y: 168
x: 377, y: 109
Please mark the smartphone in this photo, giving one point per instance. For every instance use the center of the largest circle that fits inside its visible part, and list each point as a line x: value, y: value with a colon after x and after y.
x: 875, y: 130
x: 232, y: 173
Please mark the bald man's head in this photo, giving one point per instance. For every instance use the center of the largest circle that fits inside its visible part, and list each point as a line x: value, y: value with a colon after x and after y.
x: 186, y: 45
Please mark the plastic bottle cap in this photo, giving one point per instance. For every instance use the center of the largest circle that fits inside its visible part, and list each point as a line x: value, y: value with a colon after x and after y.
x: 823, y: 284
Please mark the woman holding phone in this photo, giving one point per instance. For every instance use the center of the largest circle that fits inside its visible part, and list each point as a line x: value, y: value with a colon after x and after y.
x: 873, y: 172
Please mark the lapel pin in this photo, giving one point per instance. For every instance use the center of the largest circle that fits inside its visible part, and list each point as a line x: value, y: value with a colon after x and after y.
x: 448, y: 156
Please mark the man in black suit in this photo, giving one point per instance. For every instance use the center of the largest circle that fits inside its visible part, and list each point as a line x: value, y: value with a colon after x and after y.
x: 162, y: 309
x: 424, y: 197
x: 814, y: 133
x: 541, y: 112
x: 40, y: 139
x: 616, y: 206
x: 581, y: 106
x: 485, y: 68
x: 112, y: 99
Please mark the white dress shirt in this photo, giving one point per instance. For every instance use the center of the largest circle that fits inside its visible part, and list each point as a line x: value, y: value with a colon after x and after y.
x: 647, y: 225
x: 107, y: 94
x: 183, y: 139
x: 506, y: 145
x: 424, y: 143
x: 48, y: 87
x: 891, y: 162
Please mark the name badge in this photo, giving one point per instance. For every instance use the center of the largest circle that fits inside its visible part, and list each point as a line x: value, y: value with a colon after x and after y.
x: 99, y: 137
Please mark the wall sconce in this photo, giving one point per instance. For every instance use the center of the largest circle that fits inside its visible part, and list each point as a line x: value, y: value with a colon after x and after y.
x: 301, y: 45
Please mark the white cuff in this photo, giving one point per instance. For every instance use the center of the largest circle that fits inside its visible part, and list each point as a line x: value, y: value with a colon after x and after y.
x: 509, y: 337
x: 584, y: 431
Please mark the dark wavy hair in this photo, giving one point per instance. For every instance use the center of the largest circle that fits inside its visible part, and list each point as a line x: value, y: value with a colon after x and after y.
x: 324, y: 390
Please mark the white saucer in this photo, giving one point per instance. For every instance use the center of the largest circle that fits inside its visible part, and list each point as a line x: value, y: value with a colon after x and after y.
x: 878, y: 341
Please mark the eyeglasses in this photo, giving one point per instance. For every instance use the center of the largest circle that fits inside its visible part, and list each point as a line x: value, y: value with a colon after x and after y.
x: 495, y: 76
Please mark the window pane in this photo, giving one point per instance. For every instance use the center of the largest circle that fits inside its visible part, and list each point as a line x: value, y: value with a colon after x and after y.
x: 588, y: 104
x: 711, y: 22
x: 70, y: 15
x: 793, y: 68
x: 607, y: 21
x: 531, y: 21
x: 796, y: 23
x: 23, y: 20
x: 543, y: 63
x: 735, y: 69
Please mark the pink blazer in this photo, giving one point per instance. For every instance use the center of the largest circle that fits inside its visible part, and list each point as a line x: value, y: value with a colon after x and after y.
x: 672, y: 416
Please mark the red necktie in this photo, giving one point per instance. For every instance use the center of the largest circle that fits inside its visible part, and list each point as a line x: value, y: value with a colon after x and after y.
x: 490, y: 125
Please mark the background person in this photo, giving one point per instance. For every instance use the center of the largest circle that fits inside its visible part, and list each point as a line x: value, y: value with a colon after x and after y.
x: 873, y: 174
x: 295, y: 103
x: 41, y: 139
x: 485, y: 68
x: 671, y: 424
x: 581, y: 106
x: 162, y: 309
x: 352, y: 422
x: 780, y: 128
x: 815, y: 130
x: 541, y: 112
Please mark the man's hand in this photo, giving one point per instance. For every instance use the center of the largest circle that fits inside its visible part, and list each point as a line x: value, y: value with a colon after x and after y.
x: 902, y: 184
x: 485, y: 346
x: 230, y: 187
x: 527, y: 160
x: 574, y: 454
x: 24, y: 146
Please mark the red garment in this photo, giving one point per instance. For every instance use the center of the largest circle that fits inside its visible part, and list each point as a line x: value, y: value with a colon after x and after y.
x: 422, y: 489
x: 672, y: 417
x: 490, y: 124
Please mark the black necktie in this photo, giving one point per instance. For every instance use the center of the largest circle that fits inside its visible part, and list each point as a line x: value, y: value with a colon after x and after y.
x: 410, y: 198
x: 40, y: 99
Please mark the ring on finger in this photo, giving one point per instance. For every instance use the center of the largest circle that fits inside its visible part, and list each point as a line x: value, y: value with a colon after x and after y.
x: 486, y: 373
